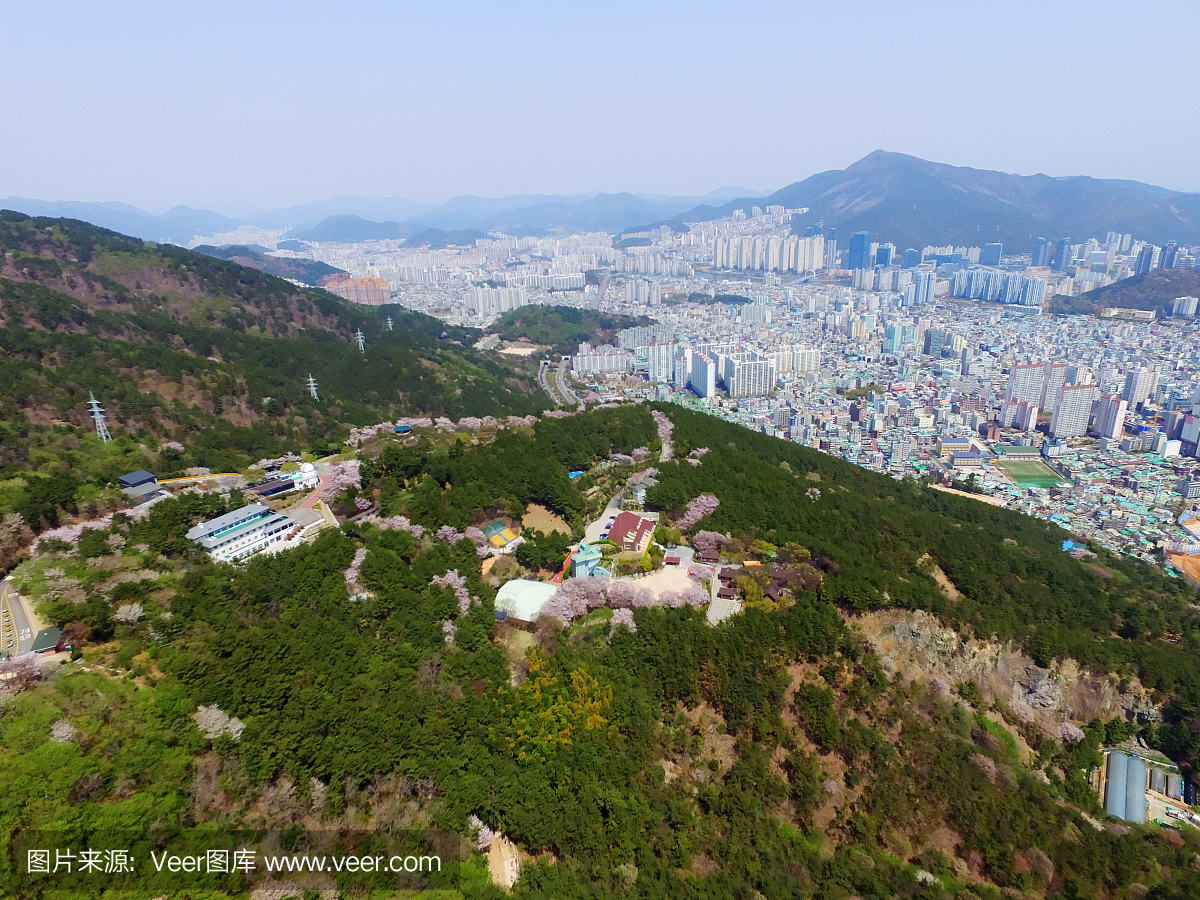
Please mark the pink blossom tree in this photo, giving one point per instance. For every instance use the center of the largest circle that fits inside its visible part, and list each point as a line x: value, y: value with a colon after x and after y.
x: 622, y: 617
x: 456, y: 583
x: 351, y: 573
x: 697, y: 509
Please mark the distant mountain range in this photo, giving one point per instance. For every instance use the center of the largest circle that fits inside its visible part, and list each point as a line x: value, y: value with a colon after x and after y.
x: 898, y: 198
x: 913, y: 202
x: 352, y: 218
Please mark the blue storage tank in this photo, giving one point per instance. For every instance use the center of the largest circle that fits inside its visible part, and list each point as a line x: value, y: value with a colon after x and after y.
x: 1135, y: 791
x: 402, y: 429
x: 1158, y: 780
x: 1174, y: 786
x: 1114, y: 792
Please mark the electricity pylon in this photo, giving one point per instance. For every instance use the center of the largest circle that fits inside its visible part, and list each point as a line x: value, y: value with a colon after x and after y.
x: 389, y: 323
x: 98, y: 415
x: 358, y: 336
x: 312, y: 388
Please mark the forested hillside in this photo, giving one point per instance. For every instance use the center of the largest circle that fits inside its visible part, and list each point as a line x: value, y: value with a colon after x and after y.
x: 1155, y: 290
x: 772, y: 756
x: 201, y: 362
x: 562, y: 328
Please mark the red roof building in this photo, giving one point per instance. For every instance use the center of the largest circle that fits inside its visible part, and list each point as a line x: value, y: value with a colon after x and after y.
x: 631, y: 532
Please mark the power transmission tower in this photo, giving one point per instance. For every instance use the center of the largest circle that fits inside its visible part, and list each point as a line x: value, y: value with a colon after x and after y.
x: 312, y: 388
x: 389, y: 323
x: 98, y: 415
x: 358, y: 336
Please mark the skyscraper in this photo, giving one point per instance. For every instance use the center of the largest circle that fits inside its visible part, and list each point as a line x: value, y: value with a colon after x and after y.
x: 1145, y: 259
x: 1137, y: 386
x: 860, y: 251
x: 1025, y: 383
x: 1110, y: 417
x: 1074, y: 410
x: 883, y: 255
x: 991, y: 254
x: 925, y: 283
x: 1041, y: 253
x: 1052, y: 385
x: 1062, y: 255
x: 910, y: 258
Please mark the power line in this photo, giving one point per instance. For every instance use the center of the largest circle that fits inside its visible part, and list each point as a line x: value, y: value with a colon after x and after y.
x: 98, y: 415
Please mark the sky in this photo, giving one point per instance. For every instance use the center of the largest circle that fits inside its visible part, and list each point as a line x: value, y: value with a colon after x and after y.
x: 241, y: 107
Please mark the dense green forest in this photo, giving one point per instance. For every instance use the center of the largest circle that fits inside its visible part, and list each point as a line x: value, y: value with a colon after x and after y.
x: 771, y: 756
x: 562, y: 328
x: 1123, y: 616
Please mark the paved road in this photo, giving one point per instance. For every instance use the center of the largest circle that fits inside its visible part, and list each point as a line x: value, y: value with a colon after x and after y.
x: 551, y: 387
x: 564, y: 386
x: 17, y: 629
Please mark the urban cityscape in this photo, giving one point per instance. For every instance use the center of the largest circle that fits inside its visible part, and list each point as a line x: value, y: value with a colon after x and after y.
x: 938, y: 363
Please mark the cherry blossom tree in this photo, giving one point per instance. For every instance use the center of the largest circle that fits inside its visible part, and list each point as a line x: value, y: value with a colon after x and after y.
x: 342, y: 476
x: 351, y: 574
x: 697, y: 509
x: 276, y: 462
x: 394, y: 523
x: 640, y: 454
x: 484, y: 835
x: 622, y: 617
x: 1071, y: 734
x: 710, y: 541
x: 665, y: 427
x: 456, y: 583
x: 129, y: 614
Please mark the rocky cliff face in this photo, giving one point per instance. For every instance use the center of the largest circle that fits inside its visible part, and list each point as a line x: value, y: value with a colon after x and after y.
x: 919, y: 646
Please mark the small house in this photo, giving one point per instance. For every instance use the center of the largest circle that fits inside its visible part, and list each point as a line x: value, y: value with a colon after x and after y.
x: 48, y: 640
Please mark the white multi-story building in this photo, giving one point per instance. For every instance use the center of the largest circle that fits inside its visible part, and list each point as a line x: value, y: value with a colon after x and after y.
x: 748, y: 375
x: 1052, y: 385
x: 1073, y: 411
x: 1110, y: 416
x: 703, y: 380
x: 1025, y: 382
x: 242, y: 532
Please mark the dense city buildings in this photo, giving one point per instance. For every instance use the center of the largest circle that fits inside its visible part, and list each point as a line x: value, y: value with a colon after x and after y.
x: 939, y: 362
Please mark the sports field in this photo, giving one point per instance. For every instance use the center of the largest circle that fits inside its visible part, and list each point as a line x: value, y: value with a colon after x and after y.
x: 1031, y: 473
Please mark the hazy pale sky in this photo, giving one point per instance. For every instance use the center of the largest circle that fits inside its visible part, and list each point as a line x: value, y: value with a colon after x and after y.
x: 243, y: 106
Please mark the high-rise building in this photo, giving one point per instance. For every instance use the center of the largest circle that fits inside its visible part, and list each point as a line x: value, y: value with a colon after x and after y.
x: 703, y: 380
x: 1052, y: 385
x: 860, y: 251
x: 925, y: 286
x: 883, y: 255
x: 934, y: 341
x: 1074, y: 410
x: 1137, y: 386
x: 1185, y: 306
x: 893, y: 336
x: 1026, y: 418
x: 1147, y: 259
x: 1041, y: 254
x: 831, y: 251
x: 748, y: 375
x: 660, y: 361
x: 1110, y: 416
x: 1062, y: 255
x: 1025, y: 382
x: 991, y: 254
x: 910, y: 258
